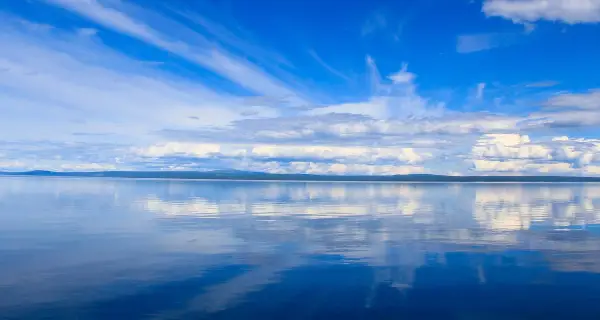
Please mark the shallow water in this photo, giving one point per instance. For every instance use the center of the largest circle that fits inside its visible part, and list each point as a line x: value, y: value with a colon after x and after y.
x: 158, y: 249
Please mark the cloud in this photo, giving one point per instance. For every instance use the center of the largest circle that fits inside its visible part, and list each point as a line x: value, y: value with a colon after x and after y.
x: 509, y: 146
x: 528, y: 27
x: 189, y: 45
x: 402, y: 76
x: 570, y: 110
x: 387, y: 25
x: 376, y: 21
x: 87, y: 32
x: 480, y: 90
x: 566, y: 11
x: 520, y: 166
x: 176, y: 148
x: 542, y: 84
x: 66, y: 84
x: 71, y: 101
x: 288, y: 153
x: 349, y: 169
x: 517, y: 153
x: 349, y: 129
x: 87, y: 167
x: 353, y: 154
x: 584, y: 101
x: 64, y: 156
x: 373, y: 74
x: 469, y: 43
x: 327, y: 67
x: 396, y: 98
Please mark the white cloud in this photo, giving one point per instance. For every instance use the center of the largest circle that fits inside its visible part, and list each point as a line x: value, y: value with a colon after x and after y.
x: 480, y: 91
x: 373, y: 74
x: 6, y: 164
x: 567, y: 11
x: 402, y: 76
x: 517, y: 153
x: 491, y: 153
x: 586, y: 101
x: 468, y: 43
x: 180, y: 148
x: 398, y: 99
x: 509, y: 146
x: 571, y: 110
x: 361, y: 154
x: 362, y: 130
x: 521, y: 166
x: 87, y: 167
x: 450, y: 124
x: 339, y: 168
x: 181, y: 41
x: 87, y: 32
x: 376, y: 21
x: 542, y: 84
x: 18, y: 165
x: 327, y: 67
x: 375, y: 108
x: 56, y: 84
x: 297, y: 152
x: 65, y: 85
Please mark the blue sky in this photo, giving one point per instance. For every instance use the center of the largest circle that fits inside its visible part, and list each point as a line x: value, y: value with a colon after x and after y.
x: 329, y: 87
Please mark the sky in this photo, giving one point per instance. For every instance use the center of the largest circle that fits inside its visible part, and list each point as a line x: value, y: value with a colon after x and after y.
x: 456, y: 87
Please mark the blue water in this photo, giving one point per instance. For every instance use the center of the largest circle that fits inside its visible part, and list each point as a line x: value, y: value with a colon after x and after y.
x: 149, y: 249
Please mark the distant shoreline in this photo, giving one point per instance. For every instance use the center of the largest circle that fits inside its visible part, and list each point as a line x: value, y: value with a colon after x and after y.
x: 266, y: 177
x: 301, y: 181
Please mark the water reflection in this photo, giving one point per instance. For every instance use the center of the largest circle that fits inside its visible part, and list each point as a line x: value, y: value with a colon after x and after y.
x: 98, y: 248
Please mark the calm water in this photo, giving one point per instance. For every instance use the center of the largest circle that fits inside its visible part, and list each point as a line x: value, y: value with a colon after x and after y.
x: 131, y: 249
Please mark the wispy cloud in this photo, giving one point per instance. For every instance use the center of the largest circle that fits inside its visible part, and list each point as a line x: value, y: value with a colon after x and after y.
x: 182, y: 41
x: 85, y: 86
x: 387, y: 25
x: 87, y: 32
x: 542, y: 84
x: 325, y: 65
x: 375, y: 22
x: 468, y: 43
x: 480, y: 90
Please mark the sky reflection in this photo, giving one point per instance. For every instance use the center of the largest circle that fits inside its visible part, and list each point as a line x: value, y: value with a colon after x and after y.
x: 89, y: 246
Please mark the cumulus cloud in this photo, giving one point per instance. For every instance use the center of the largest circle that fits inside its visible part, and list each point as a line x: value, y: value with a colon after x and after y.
x: 347, y: 129
x: 359, y: 154
x: 332, y: 158
x: 517, y: 153
x: 304, y: 167
x: 507, y: 146
x: 567, y: 11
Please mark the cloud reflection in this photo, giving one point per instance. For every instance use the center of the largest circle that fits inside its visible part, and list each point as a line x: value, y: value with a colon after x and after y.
x: 151, y: 231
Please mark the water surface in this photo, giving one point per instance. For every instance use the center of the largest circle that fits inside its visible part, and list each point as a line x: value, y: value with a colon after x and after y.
x: 163, y: 249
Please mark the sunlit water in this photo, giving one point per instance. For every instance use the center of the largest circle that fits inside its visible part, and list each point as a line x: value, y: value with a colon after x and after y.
x: 129, y: 249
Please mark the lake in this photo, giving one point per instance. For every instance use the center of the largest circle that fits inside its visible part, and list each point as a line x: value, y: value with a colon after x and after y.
x: 87, y: 248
